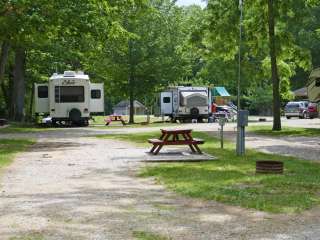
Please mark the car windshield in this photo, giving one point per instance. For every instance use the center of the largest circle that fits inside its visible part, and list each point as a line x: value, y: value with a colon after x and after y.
x: 292, y: 105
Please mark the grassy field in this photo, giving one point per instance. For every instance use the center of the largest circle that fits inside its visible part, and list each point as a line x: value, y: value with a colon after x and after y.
x: 8, y: 149
x: 232, y: 179
x: 286, y: 131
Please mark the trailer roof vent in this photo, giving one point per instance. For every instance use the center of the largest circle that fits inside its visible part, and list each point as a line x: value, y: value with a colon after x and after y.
x: 80, y: 72
x: 69, y: 74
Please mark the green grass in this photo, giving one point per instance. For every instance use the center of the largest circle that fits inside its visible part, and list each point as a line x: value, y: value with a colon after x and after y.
x: 32, y: 236
x: 8, y: 149
x: 286, y: 131
x: 140, y: 235
x: 24, y: 128
x: 231, y: 179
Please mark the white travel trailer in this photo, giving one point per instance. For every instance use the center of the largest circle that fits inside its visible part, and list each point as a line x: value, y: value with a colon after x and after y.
x: 69, y: 98
x: 183, y: 103
x: 313, y: 86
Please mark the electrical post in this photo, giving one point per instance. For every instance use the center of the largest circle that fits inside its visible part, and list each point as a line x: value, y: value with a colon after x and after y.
x: 222, y: 122
x: 240, y: 129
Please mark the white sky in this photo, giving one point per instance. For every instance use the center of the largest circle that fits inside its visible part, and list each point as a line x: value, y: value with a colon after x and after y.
x: 190, y: 2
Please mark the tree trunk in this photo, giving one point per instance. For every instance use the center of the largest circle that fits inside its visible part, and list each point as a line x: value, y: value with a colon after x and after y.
x: 3, y: 59
x: 31, y: 103
x: 274, y: 69
x: 19, y: 85
x: 131, y: 99
x: 131, y: 82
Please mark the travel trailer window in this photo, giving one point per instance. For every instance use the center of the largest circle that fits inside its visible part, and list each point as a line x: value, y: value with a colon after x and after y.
x: 95, y: 94
x: 69, y: 94
x: 166, y: 100
x: 42, y: 91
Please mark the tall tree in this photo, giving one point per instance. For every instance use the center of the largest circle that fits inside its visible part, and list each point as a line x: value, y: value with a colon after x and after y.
x: 274, y: 69
x: 260, y: 53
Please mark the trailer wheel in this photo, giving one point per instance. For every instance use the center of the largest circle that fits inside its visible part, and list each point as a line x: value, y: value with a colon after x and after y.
x: 194, y: 113
x: 75, y: 115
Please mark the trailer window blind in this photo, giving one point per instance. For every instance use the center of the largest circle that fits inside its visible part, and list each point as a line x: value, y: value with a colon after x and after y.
x: 69, y: 94
x: 95, y: 94
x: 42, y: 91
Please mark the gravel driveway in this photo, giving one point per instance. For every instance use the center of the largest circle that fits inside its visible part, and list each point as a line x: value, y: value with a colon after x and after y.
x: 75, y: 187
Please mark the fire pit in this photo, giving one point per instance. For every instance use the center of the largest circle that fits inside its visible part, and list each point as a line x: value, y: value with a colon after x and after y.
x: 267, y: 166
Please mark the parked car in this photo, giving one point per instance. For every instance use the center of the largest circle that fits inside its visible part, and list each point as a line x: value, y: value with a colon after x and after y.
x: 296, y: 109
x: 313, y: 110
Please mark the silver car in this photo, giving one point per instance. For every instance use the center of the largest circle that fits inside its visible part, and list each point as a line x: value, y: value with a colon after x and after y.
x: 296, y: 109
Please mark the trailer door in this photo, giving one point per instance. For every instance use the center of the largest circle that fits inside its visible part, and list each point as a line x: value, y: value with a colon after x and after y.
x: 41, y: 97
x: 96, y: 98
x: 166, y: 103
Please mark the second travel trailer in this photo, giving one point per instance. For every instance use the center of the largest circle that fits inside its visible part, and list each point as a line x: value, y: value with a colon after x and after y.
x: 184, y: 103
x: 69, y: 98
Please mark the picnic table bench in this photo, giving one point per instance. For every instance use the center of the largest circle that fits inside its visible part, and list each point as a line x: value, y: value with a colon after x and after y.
x: 176, y: 137
x: 114, y: 118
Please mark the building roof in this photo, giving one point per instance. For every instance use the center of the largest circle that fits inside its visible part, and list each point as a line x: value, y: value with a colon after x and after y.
x: 220, y: 91
x: 301, y: 92
x: 126, y: 103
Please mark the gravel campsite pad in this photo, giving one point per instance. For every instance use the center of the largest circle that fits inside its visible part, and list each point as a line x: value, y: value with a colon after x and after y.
x: 86, y: 188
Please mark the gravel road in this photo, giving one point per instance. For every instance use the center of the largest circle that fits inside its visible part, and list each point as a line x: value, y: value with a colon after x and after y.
x: 68, y: 186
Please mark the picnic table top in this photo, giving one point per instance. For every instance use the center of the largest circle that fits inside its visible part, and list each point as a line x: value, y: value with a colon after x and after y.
x: 176, y: 130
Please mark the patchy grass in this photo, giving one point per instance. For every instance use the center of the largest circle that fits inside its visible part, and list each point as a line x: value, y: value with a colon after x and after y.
x: 24, y: 128
x: 139, y: 138
x: 8, y: 149
x: 140, y: 235
x: 31, y: 236
x: 286, y: 131
x: 231, y: 179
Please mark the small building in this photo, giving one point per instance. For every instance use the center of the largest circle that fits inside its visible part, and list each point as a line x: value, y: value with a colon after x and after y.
x: 123, y: 108
x: 220, y: 96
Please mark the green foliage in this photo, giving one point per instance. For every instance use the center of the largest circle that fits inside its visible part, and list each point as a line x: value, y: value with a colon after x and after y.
x: 220, y: 43
x: 138, y: 47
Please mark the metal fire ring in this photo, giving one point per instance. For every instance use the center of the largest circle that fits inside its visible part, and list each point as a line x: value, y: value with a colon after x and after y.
x: 266, y: 166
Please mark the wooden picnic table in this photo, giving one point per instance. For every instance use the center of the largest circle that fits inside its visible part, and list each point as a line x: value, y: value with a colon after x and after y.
x: 175, y: 137
x: 114, y: 118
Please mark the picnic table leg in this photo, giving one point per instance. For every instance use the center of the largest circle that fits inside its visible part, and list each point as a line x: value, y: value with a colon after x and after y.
x: 186, y: 137
x: 198, y: 149
x: 163, y: 137
x: 158, y: 149
x: 153, y: 148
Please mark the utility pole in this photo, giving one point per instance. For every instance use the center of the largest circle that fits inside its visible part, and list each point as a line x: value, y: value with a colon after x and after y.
x: 240, y: 130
